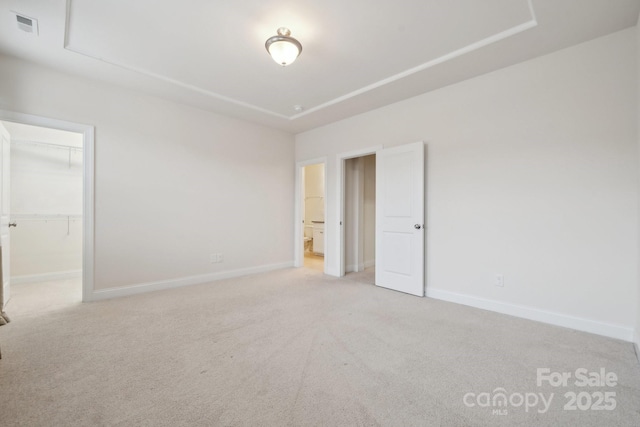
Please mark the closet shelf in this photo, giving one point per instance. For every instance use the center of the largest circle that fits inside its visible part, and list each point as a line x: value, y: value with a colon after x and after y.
x: 45, y: 144
x: 45, y: 217
x: 70, y: 149
x: 69, y: 218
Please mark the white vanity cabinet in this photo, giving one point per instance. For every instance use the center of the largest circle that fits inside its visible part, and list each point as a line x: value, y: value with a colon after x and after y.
x: 318, y: 238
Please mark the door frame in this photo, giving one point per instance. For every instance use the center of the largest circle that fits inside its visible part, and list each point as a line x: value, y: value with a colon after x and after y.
x: 298, y: 222
x: 340, y: 191
x: 88, y: 180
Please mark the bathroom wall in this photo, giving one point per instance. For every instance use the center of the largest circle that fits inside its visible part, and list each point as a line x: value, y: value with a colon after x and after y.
x: 46, y: 186
x: 313, y: 193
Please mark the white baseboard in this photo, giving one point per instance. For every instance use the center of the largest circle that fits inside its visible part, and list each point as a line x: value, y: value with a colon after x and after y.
x: 183, y: 281
x: 46, y: 277
x: 352, y: 267
x: 586, y: 325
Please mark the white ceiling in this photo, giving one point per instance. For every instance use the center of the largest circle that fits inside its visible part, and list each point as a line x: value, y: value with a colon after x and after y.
x: 357, y: 54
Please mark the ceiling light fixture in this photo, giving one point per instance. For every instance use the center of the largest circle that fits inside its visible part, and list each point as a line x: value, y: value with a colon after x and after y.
x: 283, y: 48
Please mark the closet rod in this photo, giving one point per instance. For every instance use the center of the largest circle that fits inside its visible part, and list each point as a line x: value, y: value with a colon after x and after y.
x: 45, y: 217
x: 46, y: 144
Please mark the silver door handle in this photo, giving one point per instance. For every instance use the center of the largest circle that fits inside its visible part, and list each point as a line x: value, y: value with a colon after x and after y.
x: 13, y: 224
x: 417, y: 226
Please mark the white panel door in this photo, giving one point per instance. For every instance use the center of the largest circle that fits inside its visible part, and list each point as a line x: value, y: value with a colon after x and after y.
x: 5, y: 153
x: 400, y: 218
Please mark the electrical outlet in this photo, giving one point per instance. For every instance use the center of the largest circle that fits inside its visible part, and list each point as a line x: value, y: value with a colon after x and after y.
x: 214, y: 258
x: 500, y: 280
x: 220, y: 258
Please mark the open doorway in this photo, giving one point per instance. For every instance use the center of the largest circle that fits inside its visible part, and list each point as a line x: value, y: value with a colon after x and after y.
x: 360, y: 217
x: 310, y: 211
x: 313, y: 208
x: 81, y: 223
x: 357, y: 170
x: 43, y: 252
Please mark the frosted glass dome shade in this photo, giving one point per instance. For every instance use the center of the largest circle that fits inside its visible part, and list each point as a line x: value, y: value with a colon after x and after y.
x: 282, y: 48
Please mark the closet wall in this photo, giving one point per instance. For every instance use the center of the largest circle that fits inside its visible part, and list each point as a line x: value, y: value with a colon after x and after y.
x: 46, y: 203
x: 360, y: 213
x: 369, y: 207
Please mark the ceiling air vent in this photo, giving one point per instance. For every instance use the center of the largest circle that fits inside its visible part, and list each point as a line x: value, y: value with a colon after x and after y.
x: 26, y: 24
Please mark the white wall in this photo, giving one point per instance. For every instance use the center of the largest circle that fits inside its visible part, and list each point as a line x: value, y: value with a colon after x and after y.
x: 46, y: 250
x: 42, y: 182
x: 46, y: 182
x: 531, y: 173
x: 173, y: 183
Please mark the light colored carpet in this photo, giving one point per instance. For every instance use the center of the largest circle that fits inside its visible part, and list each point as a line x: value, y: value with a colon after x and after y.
x: 295, y: 348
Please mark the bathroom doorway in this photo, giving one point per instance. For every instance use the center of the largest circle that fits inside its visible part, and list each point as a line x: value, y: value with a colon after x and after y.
x: 313, y: 217
x: 311, y: 205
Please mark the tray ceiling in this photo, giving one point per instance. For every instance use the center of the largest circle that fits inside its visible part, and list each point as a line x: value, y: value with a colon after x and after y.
x: 357, y: 55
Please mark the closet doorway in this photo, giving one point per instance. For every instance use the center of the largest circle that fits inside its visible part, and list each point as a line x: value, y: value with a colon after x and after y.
x: 357, y: 178
x: 359, y: 217
x: 44, y: 262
